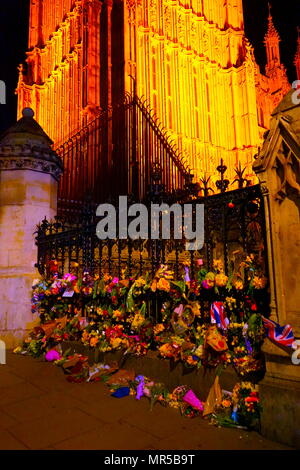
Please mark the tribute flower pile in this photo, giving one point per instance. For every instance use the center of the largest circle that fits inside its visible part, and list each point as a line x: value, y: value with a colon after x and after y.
x: 210, y: 321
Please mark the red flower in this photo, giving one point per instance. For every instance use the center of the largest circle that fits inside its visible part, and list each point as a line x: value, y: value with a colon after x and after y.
x: 251, y: 400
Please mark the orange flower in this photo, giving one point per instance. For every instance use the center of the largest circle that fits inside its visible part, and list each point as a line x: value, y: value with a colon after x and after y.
x: 221, y: 280
x: 226, y: 403
x: 259, y: 282
x: 93, y: 341
x: 158, y: 328
x: 117, y: 314
x: 163, y: 284
x: 85, y: 336
x: 166, y: 350
x: 191, y: 361
x: 238, y: 285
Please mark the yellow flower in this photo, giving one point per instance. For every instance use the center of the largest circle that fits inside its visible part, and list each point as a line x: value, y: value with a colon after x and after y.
x: 115, y: 342
x: 196, y: 309
x: 174, y: 404
x: 99, y: 311
x: 17, y: 350
x: 125, y: 343
x: 140, y: 282
x: 199, y: 351
x: 138, y: 320
x: 177, y: 340
x: 221, y: 280
x: 218, y: 265
x: 210, y: 279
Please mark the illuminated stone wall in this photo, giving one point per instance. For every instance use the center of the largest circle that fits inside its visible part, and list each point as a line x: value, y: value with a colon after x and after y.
x: 191, y: 60
x: 29, y: 173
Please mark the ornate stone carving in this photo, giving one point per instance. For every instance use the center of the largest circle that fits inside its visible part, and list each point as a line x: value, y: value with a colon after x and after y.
x: 194, y: 36
x: 25, y: 157
x: 168, y: 20
x: 286, y: 171
x: 181, y: 28
x: 152, y: 13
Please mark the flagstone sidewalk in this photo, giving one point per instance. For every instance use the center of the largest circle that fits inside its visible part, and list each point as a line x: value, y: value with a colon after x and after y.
x: 39, y: 409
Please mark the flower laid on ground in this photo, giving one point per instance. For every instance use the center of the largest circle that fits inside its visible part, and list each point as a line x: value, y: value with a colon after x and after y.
x: 108, y: 313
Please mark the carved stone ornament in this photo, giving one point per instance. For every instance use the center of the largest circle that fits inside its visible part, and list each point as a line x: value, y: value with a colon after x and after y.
x: 25, y: 146
x: 287, y: 160
x: 18, y: 157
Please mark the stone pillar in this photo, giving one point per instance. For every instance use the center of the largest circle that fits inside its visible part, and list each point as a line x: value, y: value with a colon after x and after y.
x: 29, y: 173
x: 277, y: 167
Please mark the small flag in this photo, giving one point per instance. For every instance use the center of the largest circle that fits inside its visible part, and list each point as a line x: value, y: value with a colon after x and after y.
x: 280, y: 334
x: 217, y: 315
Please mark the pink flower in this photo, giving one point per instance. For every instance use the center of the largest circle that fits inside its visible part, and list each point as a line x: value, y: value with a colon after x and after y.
x: 206, y: 285
x: 52, y: 355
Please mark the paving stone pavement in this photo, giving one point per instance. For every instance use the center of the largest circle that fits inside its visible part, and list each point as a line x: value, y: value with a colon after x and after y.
x: 40, y: 410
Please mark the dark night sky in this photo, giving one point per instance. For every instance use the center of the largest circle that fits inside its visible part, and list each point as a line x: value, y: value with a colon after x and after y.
x: 14, y: 32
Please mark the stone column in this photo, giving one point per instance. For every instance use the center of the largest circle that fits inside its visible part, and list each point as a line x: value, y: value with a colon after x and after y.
x: 29, y: 174
x: 278, y: 169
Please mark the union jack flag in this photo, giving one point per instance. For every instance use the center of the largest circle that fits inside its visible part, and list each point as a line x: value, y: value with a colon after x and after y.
x: 280, y: 334
x: 217, y: 315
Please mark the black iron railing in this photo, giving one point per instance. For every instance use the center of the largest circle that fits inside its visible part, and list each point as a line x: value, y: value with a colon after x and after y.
x: 234, y: 225
x: 117, y: 153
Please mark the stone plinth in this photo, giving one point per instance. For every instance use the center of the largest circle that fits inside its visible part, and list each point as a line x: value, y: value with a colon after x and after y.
x: 280, y: 392
x: 277, y: 167
x: 29, y: 172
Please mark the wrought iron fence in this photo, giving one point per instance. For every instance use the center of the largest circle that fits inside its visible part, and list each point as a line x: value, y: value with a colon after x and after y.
x: 234, y: 225
x: 117, y: 153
